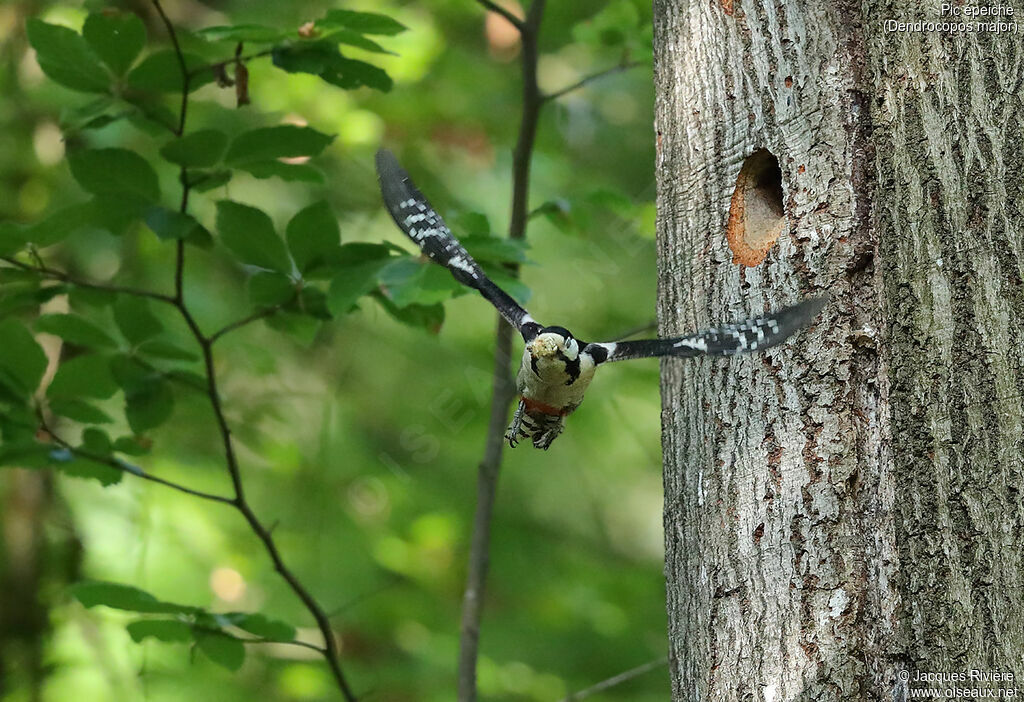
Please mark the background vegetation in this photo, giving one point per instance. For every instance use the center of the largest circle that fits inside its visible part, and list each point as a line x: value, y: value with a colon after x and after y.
x: 358, y: 437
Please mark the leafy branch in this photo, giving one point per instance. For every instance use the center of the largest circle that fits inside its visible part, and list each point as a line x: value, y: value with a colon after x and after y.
x: 102, y: 60
x: 53, y: 274
x: 330, y: 649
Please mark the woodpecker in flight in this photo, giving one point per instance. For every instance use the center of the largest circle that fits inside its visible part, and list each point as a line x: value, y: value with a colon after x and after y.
x: 557, y: 367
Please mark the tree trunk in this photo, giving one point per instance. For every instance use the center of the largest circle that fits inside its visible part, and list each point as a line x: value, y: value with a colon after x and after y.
x: 845, y: 510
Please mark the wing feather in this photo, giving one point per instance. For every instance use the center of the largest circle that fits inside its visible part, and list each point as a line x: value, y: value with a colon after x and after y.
x: 420, y: 222
x: 756, y: 334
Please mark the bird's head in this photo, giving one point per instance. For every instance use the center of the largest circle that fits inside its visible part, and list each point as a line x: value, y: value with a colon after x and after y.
x: 554, y: 342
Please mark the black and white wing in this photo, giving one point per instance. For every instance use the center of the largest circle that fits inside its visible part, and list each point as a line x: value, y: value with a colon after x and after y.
x: 755, y: 334
x: 414, y: 216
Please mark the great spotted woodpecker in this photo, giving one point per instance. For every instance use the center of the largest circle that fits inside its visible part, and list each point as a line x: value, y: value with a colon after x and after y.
x: 557, y: 367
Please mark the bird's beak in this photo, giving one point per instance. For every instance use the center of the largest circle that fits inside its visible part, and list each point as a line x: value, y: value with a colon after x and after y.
x: 543, y: 347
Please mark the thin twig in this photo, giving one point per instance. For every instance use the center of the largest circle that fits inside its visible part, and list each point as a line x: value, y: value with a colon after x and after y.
x: 222, y: 64
x: 258, y: 639
x: 499, y: 10
x: 65, y: 278
x: 181, y: 63
x: 624, y: 66
x: 503, y: 388
x: 249, y: 319
x: 617, y: 680
x: 129, y: 469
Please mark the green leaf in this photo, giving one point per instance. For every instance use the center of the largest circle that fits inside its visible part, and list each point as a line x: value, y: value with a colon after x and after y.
x: 313, y: 302
x: 117, y: 37
x: 149, y: 405
x: 88, y: 297
x: 307, y: 57
x: 249, y: 234
x: 61, y: 224
x: 362, y: 22
x: 96, y: 442
x: 126, y: 597
x: 351, y: 74
x: 198, y: 149
x: 160, y: 72
x: 165, y: 350
x: 74, y: 330
x: 351, y: 283
x: 491, y: 248
x: 270, y: 289
x: 222, y: 649
x: 472, y: 224
x: 135, y: 319
x: 73, y: 119
x: 26, y: 453
x: 407, y: 281
x: 322, y: 58
x: 80, y: 467
x: 168, y: 630
x: 114, y: 171
x: 66, y: 57
x: 78, y: 410
x: 170, y: 225
x: 429, y: 317
x: 352, y: 38
x: 513, y: 286
x: 83, y: 376
x: 261, y: 626
x: 12, y: 238
x: 151, y: 115
x: 20, y: 297
x: 132, y: 445
x: 301, y: 172
x: 204, y: 181
x: 301, y: 328
x: 22, y: 361
x: 348, y: 255
x: 313, y: 235
x: 283, y: 141
x: 115, y: 213
x: 250, y: 33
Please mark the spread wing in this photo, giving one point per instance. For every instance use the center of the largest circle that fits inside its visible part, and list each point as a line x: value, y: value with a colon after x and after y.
x: 755, y: 334
x: 414, y: 216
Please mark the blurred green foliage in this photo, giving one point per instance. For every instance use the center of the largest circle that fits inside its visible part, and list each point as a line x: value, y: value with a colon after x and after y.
x: 360, y: 414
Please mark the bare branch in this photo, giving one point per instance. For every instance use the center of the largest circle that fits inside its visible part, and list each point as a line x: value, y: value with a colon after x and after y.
x: 624, y: 66
x: 503, y: 388
x: 617, y: 680
x: 499, y: 10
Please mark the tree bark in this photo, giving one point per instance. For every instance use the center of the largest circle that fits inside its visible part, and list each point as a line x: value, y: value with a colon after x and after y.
x: 847, y: 507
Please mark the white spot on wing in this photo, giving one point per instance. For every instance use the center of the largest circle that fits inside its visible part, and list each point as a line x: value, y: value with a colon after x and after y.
x: 462, y: 264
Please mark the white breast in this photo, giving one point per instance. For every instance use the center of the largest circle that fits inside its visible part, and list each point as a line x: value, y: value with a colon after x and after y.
x: 549, y: 387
